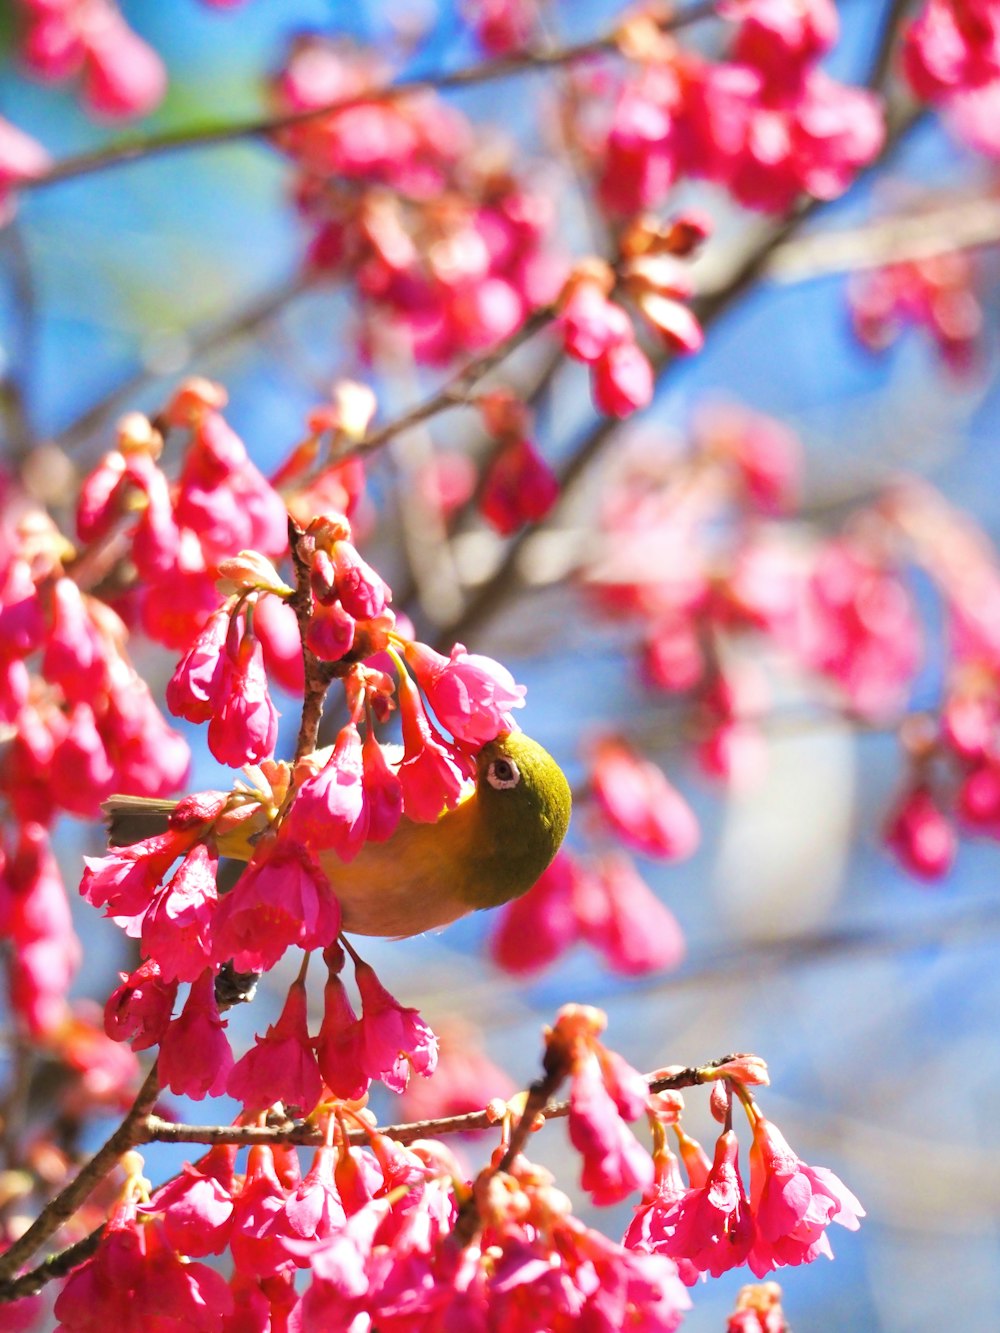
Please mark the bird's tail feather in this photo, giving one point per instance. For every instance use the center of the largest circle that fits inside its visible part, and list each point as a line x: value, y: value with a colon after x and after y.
x: 134, y: 818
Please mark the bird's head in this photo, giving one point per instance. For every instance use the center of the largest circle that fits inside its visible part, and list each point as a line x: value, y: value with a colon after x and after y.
x: 524, y: 803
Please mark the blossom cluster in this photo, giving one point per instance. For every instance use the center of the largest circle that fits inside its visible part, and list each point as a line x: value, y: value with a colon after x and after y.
x: 445, y: 247
x: 937, y: 294
x: 766, y: 122
x: 400, y: 1234
x: 951, y: 58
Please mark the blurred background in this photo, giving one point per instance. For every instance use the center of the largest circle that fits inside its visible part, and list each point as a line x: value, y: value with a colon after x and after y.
x: 872, y: 997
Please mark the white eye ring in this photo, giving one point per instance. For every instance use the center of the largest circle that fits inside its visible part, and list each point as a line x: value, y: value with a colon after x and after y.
x: 503, y: 774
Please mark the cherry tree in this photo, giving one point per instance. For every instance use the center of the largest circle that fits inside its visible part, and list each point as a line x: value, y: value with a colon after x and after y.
x: 437, y: 460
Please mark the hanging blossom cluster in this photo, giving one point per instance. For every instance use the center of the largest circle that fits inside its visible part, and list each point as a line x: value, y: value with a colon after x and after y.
x: 951, y: 58
x: 766, y: 123
x: 78, y: 720
x: 697, y: 556
x: 89, y: 42
x: 445, y: 247
x: 937, y: 294
x: 399, y: 1236
x: 162, y: 890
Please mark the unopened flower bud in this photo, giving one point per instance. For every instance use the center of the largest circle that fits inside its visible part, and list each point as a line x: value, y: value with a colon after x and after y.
x: 250, y: 572
x: 192, y: 399
x: 138, y: 435
x: 720, y: 1101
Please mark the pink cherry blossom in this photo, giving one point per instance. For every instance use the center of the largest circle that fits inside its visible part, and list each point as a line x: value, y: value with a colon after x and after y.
x: 429, y: 772
x: 195, y: 1058
x: 519, y: 487
x: 396, y: 1040
x: 471, y: 695
x: 196, y: 1206
x: 244, y: 724
x: 176, y: 930
x: 282, y: 898
x: 792, y: 1203
x: 640, y: 805
x: 615, y: 1165
x: 921, y: 834
x: 330, y: 808
x: 140, y: 1009
x: 192, y: 691
x: 281, y: 1066
x: 710, y: 1225
x: 340, y: 1044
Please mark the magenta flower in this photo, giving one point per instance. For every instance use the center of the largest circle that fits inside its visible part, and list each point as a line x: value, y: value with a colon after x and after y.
x: 281, y: 1066
x: 330, y: 809
x: 195, y: 1058
x: 192, y: 690
x: 136, y: 1280
x: 519, y: 487
x: 533, y: 930
x: 429, y: 773
x: 641, y: 806
x: 921, y: 834
x: 621, y: 917
x: 711, y: 1225
x: 622, y: 380
x: 396, y: 1040
x: 471, y: 695
x: 244, y: 723
x: 362, y: 592
x: 124, y: 881
x: 197, y: 1206
x: 176, y: 930
x: 792, y: 1203
x: 383, y: 790
x: 615, y: 1164
x: 646, y: 1231
x: 260, y: 1225
x: 340, y: 1044
x: 282, y: 898
x: 139, y: 1011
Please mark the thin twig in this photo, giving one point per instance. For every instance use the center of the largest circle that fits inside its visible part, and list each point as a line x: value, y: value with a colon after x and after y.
x: 55, y: 1266
x: 303, y: 1134
x: 455, y: 392
x: 140, y: 148
x: 68, y: 1200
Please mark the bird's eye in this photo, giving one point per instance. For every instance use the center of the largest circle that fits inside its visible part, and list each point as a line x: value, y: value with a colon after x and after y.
x: 503, y: 774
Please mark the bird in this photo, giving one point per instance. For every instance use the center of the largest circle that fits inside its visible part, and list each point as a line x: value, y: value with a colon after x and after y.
x: 493, y: 846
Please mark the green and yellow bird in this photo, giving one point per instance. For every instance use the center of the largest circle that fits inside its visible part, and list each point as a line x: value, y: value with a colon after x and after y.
x: 490, y: 848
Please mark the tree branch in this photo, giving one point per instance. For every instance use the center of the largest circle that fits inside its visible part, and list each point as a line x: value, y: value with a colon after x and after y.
x: 68, y: 1200
x: 142, y: 147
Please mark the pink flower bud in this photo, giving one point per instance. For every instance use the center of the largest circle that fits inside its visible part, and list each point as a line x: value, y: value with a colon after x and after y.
x: 282, y: 898
x: 921, y: 836
x: 471, y: 695
x: 243, y: 727
x: 281, y: 1066
x: 640, y: 805
x: 123, y: 75
x: 362, y: 592
x: 519, y: 487
x: 622, y: 380
x: 140, y: 1009
x: 195, y: 1058
x: 429, y: 774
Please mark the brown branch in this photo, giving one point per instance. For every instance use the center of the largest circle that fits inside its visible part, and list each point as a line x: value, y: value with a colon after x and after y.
x: 68, y: 1200
x: 55, y: 1266
x: 885, y: 48
x: 142, y: 147
x: 318, y: 675
x: 455, y: 392
x: 302, y: 1134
